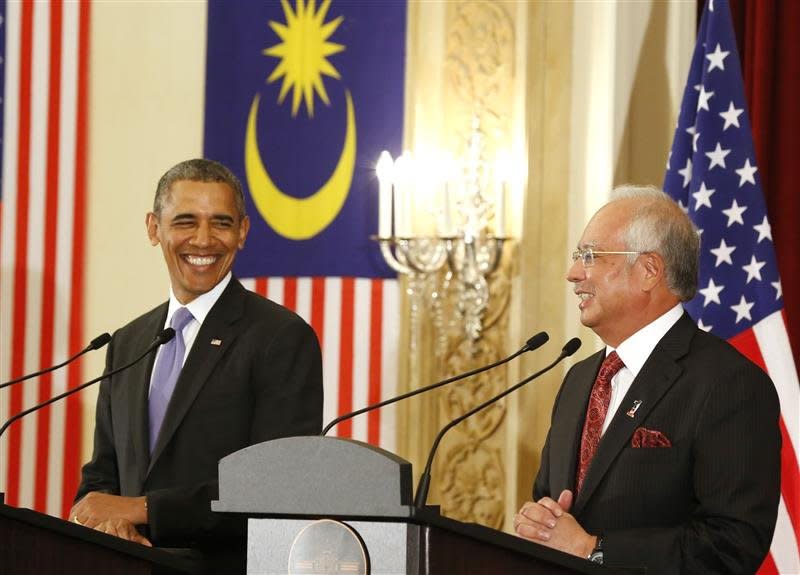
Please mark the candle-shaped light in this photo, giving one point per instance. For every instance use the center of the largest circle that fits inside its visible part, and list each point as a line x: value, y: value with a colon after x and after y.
x: 503, y: 170
x: 449, y: 177
x: 403, y: 195
x: 384, y: 170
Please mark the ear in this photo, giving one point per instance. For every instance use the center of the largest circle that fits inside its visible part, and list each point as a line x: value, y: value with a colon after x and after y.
x: 653, y: 270
x: 151, y: 221
x: 244, y: 229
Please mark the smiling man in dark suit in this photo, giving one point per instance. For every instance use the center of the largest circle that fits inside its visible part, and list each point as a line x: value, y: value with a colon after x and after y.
x: 240, y: 370
x: 664, y: 448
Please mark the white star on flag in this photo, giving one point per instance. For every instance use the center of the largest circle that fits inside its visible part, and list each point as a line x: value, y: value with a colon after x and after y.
x: 764, y: 230
x: 703, y: 326
x: 742, y: 309
x: 702, y: 197
x: 734, y: 213
x: 717, y: 59
x: 717, y: 157
x: 731, y: 117
x: 702, y: 100
x: 747, y: 173
x: 686, y: 173
x: 723, y: 253
x: 711, y: 293
x: 778, y: 290
x: 753, y: 269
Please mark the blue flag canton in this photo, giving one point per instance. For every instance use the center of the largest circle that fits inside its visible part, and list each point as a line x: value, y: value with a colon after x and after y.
x: 712, y: 173
x: 301, y: 98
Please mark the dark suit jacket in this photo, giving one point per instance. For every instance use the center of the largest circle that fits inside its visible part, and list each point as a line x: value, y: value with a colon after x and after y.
x: 263, y: 381
x: 708, y: 503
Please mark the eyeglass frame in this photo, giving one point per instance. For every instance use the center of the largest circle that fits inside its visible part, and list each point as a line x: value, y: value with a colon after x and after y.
x: 581, y: 254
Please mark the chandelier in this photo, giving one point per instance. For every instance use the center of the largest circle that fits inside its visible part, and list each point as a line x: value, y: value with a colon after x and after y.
x: 438, y: 214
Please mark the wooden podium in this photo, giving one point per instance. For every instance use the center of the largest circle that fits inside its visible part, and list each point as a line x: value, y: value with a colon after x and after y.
x: 32, y: 543
x: 324, y: 505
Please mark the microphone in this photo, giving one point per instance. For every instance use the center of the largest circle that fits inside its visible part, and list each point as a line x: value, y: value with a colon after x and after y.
x: 98, y: 342
x: 163, y: 337
x: 425, y: 480
x: 533, y: 343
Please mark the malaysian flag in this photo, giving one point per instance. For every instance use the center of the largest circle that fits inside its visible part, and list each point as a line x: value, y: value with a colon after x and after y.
x: 301, y: 97
x: 713, y: 173
x: 44, y: 65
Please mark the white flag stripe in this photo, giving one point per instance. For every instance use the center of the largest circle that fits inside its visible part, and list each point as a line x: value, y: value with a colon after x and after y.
x: 330, y: 350
x: 9, y: 223
x: 389, y: 352
x: 35, y: 265
x: 248, y: 284
x: 361, y: 354
x: 784, y: 549
x: 303, y: 307
x: 64, y: 276
x: 275, y: 290
x: 777, y: 353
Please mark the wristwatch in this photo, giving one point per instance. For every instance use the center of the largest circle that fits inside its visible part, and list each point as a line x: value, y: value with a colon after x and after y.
x: 596, y: 556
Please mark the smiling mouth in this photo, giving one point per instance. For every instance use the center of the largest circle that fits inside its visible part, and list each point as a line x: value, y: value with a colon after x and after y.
x: 200, y: 260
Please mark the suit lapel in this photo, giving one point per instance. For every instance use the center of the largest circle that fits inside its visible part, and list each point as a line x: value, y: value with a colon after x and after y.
x: 566, y: 433
x: 219, y: 326
x: 657, y: 375
x: 133, y: 390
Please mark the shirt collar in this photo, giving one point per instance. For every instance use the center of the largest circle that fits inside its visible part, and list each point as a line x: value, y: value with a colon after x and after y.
x: 635, y: 350
x: 202, y: 304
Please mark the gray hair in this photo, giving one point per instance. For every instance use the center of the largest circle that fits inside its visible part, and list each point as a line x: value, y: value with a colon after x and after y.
x: 198, y: 170
x: 659, y: 225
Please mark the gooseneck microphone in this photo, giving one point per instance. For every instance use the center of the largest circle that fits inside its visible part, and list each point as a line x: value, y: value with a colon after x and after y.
x: 425, y: 480
x: 163, y: 337
x: 535, y: 342
x: 98, y: 342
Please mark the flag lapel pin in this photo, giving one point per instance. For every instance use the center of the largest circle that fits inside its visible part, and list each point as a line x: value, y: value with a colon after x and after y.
x: 632, y: 410
x: 216, y: 342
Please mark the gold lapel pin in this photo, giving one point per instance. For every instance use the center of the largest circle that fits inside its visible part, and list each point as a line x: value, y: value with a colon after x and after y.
x: 632, y: 410
x: 216, y: 342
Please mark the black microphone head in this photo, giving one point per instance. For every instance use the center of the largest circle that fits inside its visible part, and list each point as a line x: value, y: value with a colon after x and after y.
x: 536, y: 341
x: 100, y: 341
x: 571, y: 347
x: 164, y: 336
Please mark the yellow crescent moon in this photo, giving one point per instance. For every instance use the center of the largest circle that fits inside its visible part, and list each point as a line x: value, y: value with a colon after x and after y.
x: 299, y: 218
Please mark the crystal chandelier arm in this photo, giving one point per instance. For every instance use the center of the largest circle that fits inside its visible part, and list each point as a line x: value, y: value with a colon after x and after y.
x: 391, y: 260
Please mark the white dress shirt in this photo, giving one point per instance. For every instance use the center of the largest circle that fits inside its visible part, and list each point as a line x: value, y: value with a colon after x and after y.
x: 199, y: 308
x: 634, y: 352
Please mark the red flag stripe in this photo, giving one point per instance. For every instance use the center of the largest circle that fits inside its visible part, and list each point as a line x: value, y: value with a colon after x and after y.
x: 21, y: 247
x: 74, y: 411
x: 47, y: 329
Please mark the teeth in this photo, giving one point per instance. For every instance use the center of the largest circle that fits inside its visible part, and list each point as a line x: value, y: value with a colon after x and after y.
x: 584, y: 296
x: 201, y: 261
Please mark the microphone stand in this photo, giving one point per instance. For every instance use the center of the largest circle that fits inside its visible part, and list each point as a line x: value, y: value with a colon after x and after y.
x: 424, y: 482
x: 96, y: 343
x: 533, y: 343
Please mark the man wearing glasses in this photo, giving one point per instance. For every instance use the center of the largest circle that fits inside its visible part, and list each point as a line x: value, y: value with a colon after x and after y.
x: 664, y: 447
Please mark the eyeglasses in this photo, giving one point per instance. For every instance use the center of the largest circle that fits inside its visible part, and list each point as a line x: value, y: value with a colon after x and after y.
x: 587, y: 255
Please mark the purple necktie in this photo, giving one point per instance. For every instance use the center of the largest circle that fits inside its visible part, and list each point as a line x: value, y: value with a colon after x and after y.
x: 165, y: 375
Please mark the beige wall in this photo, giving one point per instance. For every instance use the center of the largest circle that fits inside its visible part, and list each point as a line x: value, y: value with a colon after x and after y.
x: 146, y: 109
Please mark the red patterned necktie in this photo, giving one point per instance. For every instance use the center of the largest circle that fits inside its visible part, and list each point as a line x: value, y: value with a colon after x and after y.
x: 599, y: 400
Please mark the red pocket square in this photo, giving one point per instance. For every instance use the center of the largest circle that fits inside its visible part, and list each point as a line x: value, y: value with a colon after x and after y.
x: 643, y: 437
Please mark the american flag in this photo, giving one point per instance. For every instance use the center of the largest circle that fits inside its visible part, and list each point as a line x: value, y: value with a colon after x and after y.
x: 45, y: 86
x: 713, y: 173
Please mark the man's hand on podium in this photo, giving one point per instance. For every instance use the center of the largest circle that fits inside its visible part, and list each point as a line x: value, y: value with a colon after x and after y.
x: 112, y: 514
